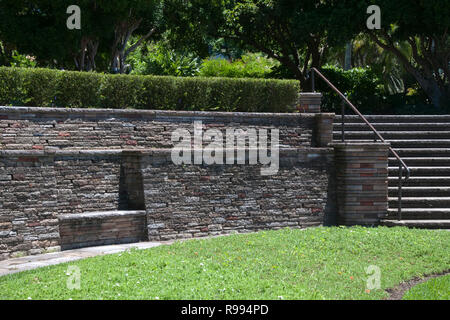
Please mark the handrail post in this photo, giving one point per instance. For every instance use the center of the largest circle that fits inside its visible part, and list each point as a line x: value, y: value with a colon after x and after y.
x: 313, y: 82
x: 400, y: 174
x: 376, y: 138
x: 343, y: 120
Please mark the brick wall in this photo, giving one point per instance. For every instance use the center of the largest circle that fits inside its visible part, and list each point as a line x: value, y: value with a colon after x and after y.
x: 101, y: 228
x: 37, y: 186
x: 47, y: 128
x: 55, y: 163
x: 362, y: 182
x: 28, y: 195
x: 184, y: 201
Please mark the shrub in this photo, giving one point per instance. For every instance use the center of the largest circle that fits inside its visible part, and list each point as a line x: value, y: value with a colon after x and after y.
x: 361, y: 85
x: 19, y: 60
x: 252, y: 65
x: 159, y: 59
x: 46, y: 88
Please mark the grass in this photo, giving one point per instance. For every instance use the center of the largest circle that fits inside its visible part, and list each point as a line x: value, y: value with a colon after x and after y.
x: 316, y: 263
x: 434, y: 289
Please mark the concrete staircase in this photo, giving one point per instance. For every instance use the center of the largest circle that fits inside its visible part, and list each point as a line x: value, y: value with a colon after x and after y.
x: 423, y: 142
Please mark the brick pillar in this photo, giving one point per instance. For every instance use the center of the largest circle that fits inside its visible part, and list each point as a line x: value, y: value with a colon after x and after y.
x: 323, y: 129
x: 361, y: 182
x: 309, y: 102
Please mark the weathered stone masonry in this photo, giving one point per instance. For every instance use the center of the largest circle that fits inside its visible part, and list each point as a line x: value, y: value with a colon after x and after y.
x: 77, y: 177
x: 193, y: 200
x: 38, y: 186
x: 81, y: 129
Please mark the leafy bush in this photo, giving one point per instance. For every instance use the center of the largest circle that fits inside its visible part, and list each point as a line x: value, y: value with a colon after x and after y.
x: 158, y: 59
x: 251, y: 65
x: 20, y: 60
x: 361, y: 86
x: 55, y: 88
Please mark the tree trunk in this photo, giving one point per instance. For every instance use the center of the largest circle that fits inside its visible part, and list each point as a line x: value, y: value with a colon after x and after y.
x: 123, y: 33
x: 427, y: 69
x: 85, y: 58
x: 348, y: 56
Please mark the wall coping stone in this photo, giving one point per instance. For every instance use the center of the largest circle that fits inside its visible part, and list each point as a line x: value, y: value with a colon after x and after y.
x: 61, y: 152
x: 100, y: 215
x: 137, y: 152
x: 135, y: 112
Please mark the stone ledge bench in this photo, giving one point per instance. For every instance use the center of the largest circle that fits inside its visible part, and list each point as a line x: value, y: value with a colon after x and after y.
x: 87, y: 229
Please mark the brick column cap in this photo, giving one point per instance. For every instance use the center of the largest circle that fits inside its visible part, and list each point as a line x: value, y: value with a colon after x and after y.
x: 311, y: 94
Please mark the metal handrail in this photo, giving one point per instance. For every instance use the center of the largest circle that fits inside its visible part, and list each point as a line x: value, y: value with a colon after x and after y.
x: 402, y: 164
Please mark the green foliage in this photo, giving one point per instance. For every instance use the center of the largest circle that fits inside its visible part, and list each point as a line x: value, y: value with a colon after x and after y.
x: 293, y: 32
x: 361, y: 86
x: 316, y: 263
x: 12, y: 91
x: 251, y: 65
x: 22, y: 61
x: 434, y: 289
x: 159, y: 59
x: 38, y: 27
x: 46, y: 88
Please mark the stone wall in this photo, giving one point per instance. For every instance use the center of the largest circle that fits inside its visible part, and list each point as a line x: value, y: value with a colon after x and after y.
x: 101, y: 228
x: 37, y: 186
x: 57, y: 166
x: 46, y: 128
x: 184, y: 201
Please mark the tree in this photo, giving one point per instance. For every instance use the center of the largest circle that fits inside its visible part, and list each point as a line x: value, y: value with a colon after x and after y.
x: 423, y: 26
x: 131, y: 16
x: 39, y: 28
x: 292, y: 32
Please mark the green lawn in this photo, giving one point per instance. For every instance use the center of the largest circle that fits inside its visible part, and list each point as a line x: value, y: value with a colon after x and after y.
x: 434, y: 289
x: 316, y: 263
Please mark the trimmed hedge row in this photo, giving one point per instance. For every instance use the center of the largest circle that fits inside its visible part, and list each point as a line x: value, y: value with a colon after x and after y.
x: 55, y: 88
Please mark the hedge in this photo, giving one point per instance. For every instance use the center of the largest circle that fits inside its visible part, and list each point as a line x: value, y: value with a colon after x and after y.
x: 55, y: 88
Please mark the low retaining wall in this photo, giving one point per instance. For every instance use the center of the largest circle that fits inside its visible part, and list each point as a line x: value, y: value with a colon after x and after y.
x: 101, y: 228
x: 37, y: 186
x: 27, y: 128
x: 60, y: 172
x: 41, y: 190
x: 184, y: 201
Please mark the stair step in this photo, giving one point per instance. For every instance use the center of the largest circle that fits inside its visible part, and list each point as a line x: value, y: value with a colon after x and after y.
x: 420, y: 191
x: 420, y: 152
x: 421, y: 161
x: 422, y: 171
x: 419, y: 213
x: 399, y: 135
x: 397, y: 118
x: 438, y: 126
x: 420, y: 202
x: 405, y: 143
x: 421, y: 181
x: 423, y: 142
x: 419, y: 224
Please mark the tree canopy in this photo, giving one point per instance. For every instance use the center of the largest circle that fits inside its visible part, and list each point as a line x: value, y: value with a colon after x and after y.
x: 299, y: 34
x: 39, y: 28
